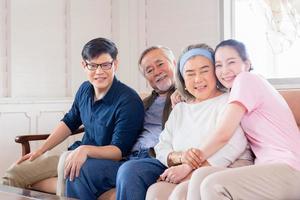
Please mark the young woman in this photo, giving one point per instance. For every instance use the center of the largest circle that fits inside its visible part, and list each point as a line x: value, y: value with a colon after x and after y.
x: 189, y: 125
x: 270, y: 129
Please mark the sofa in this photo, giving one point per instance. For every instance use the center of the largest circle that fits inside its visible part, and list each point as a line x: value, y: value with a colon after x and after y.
x: 292, y: 96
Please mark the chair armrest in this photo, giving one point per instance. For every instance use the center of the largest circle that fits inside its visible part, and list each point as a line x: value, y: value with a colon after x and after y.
x: 25, y: 139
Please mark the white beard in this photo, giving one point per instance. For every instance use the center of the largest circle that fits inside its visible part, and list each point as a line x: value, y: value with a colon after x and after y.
x: 164, y: 85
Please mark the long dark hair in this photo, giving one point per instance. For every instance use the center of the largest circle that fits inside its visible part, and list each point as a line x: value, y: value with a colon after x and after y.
x: 238, y: 46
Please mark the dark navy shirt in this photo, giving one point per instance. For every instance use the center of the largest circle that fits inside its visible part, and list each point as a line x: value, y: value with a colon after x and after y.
x: 116, y: 119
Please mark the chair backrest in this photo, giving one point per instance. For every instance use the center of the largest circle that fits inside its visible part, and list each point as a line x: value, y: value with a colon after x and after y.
x: 292, y: 97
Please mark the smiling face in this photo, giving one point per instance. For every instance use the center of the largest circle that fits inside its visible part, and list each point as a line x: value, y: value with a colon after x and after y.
x: 200, y: 80
x: 158, y: 70
x: 99, y: 78
x: 228, y: 65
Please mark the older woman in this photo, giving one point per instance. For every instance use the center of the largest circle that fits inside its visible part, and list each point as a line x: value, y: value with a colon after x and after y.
x: 191, y: 123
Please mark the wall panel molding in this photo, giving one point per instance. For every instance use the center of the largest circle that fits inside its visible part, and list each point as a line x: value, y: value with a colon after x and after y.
x: 111, y: 19
x: 13, y: 123
x: 5, y: 48
x: 143, y: 85
x: 67, y: 38
x: 38, y: 48
x: 2, y: 47
x: 19, y: 117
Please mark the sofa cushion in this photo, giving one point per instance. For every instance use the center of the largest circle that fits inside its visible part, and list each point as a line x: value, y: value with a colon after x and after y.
x: 292, y: 96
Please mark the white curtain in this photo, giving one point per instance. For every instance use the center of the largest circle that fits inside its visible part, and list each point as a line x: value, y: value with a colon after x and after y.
x: 283, y: 23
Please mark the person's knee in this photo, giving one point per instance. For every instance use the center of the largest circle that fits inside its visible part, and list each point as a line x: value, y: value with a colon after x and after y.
x: 154, y: 192
x: 70, y: 188
x: 214, y: 186
x: 73, y: 185
x: 30, y: 172
x: 13, y: 177
x: 133, y: 172
x: 207, y: 184
x: 125, y: 173
x: 200, y: 174
x: 180, y: 191
x: 95, y: 173
x: 88, y: 169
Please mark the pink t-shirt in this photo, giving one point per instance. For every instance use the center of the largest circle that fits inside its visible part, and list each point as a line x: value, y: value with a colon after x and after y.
x: 268, y: 123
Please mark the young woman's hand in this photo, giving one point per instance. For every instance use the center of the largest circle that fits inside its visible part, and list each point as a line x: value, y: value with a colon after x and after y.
x: 192, y: 157
x: 176, y: 174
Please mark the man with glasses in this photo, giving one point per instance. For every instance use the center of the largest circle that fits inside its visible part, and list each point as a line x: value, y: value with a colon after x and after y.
x: 156, y: 64
x: 112, y: 115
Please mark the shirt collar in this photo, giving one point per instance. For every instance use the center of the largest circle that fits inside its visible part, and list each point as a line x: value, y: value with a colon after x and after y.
x: 109, y: 96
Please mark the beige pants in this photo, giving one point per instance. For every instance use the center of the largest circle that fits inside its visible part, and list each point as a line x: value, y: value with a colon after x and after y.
x: 28, y: 173
x: 259, y: 182
x: 165, y: 190
x: 181, y: 191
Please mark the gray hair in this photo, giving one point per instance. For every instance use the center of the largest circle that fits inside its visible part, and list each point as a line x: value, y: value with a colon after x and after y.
x: 167, y: 53
x: 180, y: 83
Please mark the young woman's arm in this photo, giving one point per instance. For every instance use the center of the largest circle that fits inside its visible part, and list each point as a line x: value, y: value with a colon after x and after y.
x: 225, y: 130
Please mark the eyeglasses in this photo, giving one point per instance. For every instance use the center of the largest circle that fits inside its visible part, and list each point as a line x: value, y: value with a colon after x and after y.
x: 94, y: 66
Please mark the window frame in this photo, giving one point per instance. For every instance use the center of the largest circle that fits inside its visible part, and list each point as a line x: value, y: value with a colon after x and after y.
x: 228, y: 28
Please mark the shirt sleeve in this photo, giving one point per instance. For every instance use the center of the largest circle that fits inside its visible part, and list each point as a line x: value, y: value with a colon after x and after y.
x: 234, y: 148
x: 129, y: 123
x: 164, y: 147
x: 247, y: 90
x: 72, y: 119
x: 231, y: 151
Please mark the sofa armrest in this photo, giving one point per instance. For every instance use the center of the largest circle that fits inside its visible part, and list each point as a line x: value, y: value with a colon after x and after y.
x: 25, y: 139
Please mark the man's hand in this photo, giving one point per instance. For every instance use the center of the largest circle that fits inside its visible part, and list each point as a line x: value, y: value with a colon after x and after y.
x: 192, y: 157
x: 176, y: 98
x: 176, y: 174
x: 30, y: 156
x: 74, y: 162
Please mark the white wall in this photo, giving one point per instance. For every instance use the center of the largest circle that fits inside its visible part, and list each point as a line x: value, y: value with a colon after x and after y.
x: 41, y: 42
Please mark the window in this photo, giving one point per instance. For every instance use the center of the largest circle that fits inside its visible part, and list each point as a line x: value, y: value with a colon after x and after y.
x: 271, y: 32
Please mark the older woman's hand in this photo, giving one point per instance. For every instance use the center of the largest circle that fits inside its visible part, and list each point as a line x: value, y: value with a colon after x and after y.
x: 176, y: 174
x: 192, y: 157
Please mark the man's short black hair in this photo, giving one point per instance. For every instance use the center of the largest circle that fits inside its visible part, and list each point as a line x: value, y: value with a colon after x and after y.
x: 98, y: 46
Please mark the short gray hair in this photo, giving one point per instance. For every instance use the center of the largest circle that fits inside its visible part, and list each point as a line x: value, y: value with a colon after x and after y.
x: 167, y: 52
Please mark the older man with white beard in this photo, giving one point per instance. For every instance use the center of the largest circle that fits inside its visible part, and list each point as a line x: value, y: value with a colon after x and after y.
x: 156, y: 64
x: 135, y: 176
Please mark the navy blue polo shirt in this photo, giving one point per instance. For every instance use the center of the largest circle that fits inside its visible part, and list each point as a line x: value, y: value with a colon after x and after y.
x: 116, y: 119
